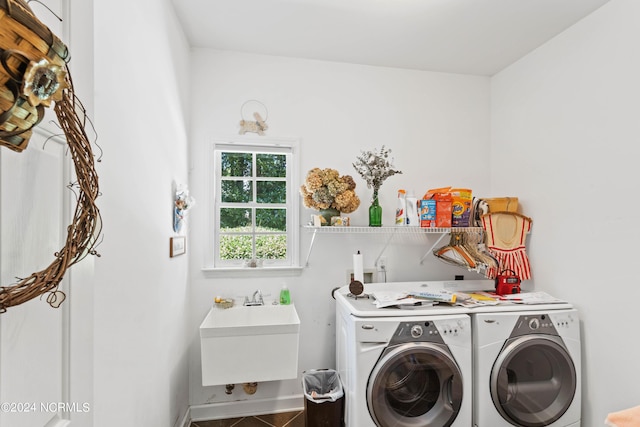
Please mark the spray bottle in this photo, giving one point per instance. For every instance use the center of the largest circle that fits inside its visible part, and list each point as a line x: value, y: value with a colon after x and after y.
x: 412, y: 216
x: 401, y: 210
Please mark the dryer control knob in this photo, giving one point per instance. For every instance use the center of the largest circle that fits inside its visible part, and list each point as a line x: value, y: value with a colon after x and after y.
x: 416, y: 331
x: 534, y: 324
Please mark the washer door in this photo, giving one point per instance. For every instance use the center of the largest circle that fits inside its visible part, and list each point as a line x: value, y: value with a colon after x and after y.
x: 415, y: 384
x: 533, y: 380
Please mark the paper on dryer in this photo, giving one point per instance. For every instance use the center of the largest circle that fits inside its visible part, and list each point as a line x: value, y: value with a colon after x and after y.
x: 482, y: 299
x: 532, y: 298
x: 385, y: 299
x: 476, y: 299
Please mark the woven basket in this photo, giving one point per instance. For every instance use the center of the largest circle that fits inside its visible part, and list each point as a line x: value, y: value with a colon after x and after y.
x: 23, y: 39
x: 225, y: 303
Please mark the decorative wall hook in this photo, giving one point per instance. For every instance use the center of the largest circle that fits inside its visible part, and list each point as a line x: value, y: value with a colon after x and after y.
x: 259, y: 125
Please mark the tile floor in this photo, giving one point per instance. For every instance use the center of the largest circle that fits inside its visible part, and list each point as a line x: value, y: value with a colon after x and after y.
x: 285, y: 419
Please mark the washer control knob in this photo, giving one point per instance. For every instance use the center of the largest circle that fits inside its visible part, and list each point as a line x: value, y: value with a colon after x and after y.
x: 534, y: 324
x: 416, y: 331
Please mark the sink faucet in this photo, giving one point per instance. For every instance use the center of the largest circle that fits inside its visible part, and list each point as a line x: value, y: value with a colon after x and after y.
x: 256, y: 299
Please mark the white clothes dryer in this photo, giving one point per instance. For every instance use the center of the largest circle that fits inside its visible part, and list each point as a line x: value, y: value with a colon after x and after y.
x: 403, y: 368
x: 527, y: 368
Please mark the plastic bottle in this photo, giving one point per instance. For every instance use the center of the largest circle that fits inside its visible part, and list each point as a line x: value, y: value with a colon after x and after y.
x: 412, y: 217
x: 401, y: 210
x: 358, y: 271
x: 285, y: 295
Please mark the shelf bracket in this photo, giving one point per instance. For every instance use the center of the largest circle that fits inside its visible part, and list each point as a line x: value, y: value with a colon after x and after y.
x: 437, y: 242
x: 384, y: 248
x: 313, y: 238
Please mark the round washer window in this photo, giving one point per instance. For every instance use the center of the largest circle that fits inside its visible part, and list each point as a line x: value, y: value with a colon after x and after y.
x: 414, y: 385
x: 533, y: 381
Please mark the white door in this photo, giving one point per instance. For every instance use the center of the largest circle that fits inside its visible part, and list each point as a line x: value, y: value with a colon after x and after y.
x: 46, y: 376
x: 34, y: 337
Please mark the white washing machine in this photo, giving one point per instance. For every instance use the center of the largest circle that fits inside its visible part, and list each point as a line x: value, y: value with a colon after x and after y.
x: 403, y: 367
x: 527, y: 367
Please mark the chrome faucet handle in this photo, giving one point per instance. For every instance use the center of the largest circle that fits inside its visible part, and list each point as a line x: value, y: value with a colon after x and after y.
x: 256, y: 299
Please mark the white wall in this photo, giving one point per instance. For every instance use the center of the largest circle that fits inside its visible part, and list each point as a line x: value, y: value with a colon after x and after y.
x: 564, y: 135
x: 437, y: 126
x: 141, y: 298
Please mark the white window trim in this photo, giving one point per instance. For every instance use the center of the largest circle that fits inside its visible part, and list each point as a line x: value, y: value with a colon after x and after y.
x: 293, y: 219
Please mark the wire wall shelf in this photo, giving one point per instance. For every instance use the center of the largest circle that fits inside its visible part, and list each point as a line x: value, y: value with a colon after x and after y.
x: 384, y: 230
x: 391, y: 231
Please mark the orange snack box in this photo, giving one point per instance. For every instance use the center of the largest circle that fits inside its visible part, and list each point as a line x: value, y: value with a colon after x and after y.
x: 428, y: 213
x: 444, y: 200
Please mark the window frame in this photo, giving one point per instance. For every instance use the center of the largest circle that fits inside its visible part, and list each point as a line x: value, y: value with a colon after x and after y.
x: 286, y: 146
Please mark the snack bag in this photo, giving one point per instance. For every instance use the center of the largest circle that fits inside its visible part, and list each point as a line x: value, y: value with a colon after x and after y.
x: 461, y: 202
x: 443, y: 199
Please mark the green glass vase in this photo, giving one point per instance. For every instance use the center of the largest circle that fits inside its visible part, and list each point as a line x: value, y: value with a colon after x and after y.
x: 375, y: 211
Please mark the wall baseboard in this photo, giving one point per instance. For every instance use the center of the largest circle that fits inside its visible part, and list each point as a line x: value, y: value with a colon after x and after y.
x: 186, y: 420
x: 246, y: 408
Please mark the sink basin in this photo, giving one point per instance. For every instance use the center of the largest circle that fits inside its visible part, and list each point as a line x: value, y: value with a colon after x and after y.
x: 249, y: 344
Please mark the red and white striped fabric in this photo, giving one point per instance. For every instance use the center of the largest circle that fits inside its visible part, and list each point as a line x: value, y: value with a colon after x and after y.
x: 506, y: 234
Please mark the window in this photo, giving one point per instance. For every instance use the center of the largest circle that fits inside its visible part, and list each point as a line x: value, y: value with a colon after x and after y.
x: 254, y: 216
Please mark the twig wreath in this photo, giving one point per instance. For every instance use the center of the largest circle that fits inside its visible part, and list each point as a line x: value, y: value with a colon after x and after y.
x: 33, y: 73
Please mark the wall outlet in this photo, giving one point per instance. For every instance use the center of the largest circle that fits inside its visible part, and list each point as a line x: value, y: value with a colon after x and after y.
x: 382, y: 264
x: 367, y: 273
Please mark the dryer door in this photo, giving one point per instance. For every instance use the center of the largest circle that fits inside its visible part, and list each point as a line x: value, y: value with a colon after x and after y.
x: 415, y: 385
x: 533, y: 380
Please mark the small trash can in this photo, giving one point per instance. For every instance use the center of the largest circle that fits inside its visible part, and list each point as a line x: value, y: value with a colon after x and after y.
x: 324, y: 398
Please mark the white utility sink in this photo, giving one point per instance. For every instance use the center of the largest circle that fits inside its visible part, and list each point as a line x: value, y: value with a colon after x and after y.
x: 249, y: 344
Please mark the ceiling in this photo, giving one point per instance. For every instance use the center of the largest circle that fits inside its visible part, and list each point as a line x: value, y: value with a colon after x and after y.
x: 456, y: 36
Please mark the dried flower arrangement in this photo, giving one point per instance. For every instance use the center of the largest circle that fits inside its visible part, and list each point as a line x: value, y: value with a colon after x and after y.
x: 375, y: 167
x: 325, y: 188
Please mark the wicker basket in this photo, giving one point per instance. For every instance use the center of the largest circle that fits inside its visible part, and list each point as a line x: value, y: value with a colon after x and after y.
x: 225, y: 303
x: 23, y: 39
